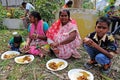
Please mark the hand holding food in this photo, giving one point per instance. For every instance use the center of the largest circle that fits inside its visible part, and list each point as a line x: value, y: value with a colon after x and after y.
x: 46, y: 47
x: 89, y: 42
x: 86, y: 39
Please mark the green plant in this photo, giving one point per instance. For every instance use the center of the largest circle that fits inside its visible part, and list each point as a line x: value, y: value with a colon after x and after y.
x: 87, y: 4
x: 48, y: 8
x: 18, y: 13
x: 3, y: 12
x: 100, y: 13
x: 14, y: 13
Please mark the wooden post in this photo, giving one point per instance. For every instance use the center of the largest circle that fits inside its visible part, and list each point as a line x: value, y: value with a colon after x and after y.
x: 95, y: 4
x: 6, y: 4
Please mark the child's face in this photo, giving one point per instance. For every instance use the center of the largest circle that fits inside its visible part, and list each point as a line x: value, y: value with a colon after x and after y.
x: 101, y: 29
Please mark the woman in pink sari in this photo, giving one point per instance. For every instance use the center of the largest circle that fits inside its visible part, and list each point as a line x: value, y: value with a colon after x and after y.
x: 63, y: 36
x: 37, y: 34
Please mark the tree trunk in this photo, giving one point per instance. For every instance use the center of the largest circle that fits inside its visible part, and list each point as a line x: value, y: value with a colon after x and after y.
x: 6, y: 4
x: 77, y: 3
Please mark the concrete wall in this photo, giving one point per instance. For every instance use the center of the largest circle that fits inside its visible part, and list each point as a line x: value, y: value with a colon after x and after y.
x: 12, y: 2
x: 13, y: 23
x: 86, y: 20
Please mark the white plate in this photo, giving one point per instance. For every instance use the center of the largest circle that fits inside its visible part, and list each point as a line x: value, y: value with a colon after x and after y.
x: 73, y: 74
x: 11, y: 54
x: 17, y: 59
x: 56, y: 60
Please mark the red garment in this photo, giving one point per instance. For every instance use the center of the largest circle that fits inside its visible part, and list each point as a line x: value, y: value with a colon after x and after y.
x: 58, y: 33
x: 53, y: 30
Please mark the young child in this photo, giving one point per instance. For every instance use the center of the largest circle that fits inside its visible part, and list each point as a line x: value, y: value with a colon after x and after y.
x: 15, y: 42
x: 100, y: 45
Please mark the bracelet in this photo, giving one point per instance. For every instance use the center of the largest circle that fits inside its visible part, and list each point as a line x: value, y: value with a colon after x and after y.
x: 37, y: 36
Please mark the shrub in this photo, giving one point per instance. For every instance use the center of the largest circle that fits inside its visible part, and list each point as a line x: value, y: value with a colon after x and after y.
x: 3, y: 12
x: 14, y: 13
x: 47, y: 8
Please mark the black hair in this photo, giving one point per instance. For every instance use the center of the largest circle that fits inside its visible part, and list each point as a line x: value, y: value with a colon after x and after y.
x: 65, y: 10
x: 23, y: 3
x: 104, y: 19
x: 17, y: 39
x: 36, y: 14
x: 111, y: 7
x: 69, y: 2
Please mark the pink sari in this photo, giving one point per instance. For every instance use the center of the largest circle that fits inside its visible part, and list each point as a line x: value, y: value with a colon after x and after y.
x: 59, y: 33
x: 34, y: 49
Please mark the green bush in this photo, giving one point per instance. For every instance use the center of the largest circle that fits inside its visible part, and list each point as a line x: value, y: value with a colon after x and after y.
x: 18, y: 13
x: 3, y: 12
x: 14, y: 13
x: 47, y: 8
x: 87, y: 4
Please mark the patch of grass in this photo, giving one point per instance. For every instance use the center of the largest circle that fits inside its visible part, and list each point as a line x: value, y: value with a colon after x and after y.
x: 36, y: 70
x: 4, y: 63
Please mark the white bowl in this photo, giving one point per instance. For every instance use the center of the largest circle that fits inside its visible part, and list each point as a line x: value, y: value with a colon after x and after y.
x: 73, y: 74
x: 57, y: 60
x: 25, y: 62
x: 15, y: 53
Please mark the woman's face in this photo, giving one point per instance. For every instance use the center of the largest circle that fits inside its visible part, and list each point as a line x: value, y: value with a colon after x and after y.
x: 64, y: 18
x: 32, y: 19
x: 101, y: 29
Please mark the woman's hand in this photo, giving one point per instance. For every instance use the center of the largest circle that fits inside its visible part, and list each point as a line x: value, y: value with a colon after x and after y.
x: 38, y: 36
x: 54, y: 45
x: 26, y: 47
x: 34, y: 36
